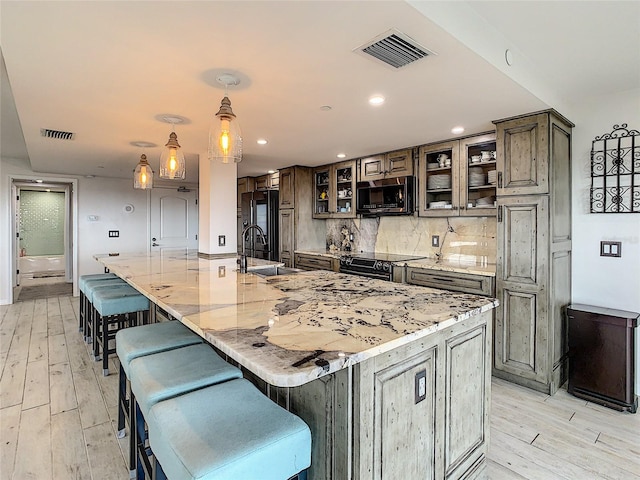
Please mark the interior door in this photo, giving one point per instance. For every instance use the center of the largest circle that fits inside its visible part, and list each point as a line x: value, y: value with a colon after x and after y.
x: 174, y: 219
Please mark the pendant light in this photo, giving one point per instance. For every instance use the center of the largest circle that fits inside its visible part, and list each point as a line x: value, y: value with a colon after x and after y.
x: 225, y: 137
x: 172, y: 165
x: 143, y: 175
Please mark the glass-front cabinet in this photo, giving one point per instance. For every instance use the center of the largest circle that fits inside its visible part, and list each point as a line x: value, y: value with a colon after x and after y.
x: 478, y: 170
x: 458, y: 177
x: 334, y: 190
x: 438, y: 179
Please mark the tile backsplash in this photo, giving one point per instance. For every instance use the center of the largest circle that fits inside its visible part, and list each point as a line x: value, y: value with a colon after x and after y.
x: 463, y: 239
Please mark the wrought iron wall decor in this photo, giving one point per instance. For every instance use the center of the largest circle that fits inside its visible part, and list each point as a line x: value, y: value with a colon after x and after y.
x: 615, y: 171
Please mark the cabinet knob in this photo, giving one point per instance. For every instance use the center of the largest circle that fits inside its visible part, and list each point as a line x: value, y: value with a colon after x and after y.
x: 462, y: 207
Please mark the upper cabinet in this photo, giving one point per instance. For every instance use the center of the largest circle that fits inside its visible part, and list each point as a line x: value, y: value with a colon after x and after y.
x: 458, y: 177
x: 245, y: 184
x: 523, y: 156
x: 388, y: 165
x: 287, y: 179
x: 270, y: 181
x: 334, y: 190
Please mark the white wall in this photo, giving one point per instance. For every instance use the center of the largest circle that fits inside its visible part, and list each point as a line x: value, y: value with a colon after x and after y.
x: 104, y: 197
x: 604, y: 281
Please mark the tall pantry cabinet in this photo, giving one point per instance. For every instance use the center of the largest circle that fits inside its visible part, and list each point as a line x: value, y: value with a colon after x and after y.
x: 296, y: 227
x: 533, y: 271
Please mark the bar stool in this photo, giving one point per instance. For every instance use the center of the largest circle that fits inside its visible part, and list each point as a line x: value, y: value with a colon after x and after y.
x: 227, y: 431
x: 145, y: 340
x: 165, y: 375
x: 82, y: 285
x: 113, y: 310
x: 91, y: 287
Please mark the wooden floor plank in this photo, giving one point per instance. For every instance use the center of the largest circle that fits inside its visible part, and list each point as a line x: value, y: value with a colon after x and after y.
x: 78, y: 353
x: 68, y: 447
x: 63, y: 394
x: 9, y: 428
x: 33, y: 454
x: 105, y: 458
x: 90, y: 402
x: 12, y: 382
x: 58, y: 349
x: 39, y: 347
x: 36, y: 386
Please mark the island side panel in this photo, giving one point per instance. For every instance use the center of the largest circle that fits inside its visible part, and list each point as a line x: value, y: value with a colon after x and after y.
x: 444, y: 436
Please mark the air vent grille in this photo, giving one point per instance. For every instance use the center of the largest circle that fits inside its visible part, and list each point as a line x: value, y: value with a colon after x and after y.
x: 395, y: 49
x: 57, y: 134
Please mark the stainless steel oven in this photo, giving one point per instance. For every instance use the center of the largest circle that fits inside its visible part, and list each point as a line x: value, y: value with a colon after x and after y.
x: 373, y: 265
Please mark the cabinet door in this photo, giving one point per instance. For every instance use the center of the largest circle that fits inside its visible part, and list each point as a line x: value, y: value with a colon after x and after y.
x: 372, y: 168
x: 287, y: 233
x: 522, y: 327
x: 399, y: 164
x: 245, y: 184
x: 286, y: 195
x: 438, y: 186
x: 274, y: 181
x: 523, y: 155
x: 322, y: 194
x: 478, y: 175
x: 343, y: 176
x: 262, y: 182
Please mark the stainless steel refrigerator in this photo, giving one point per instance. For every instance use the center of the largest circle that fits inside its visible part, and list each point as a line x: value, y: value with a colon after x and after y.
x: 261, y: 208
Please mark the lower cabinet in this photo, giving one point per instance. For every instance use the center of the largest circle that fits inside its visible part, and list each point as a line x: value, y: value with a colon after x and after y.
x: 305, y: 261
x: 533, y: 285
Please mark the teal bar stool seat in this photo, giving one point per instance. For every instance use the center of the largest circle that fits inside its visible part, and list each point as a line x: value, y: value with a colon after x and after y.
x: 165, y: 375
x: 140, y: 341
x: 90, y: 287
x: 227, y: 431
x: 82, y: 285
x: 115, y: 308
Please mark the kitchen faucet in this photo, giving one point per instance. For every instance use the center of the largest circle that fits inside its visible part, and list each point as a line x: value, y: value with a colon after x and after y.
x: 243, y: 257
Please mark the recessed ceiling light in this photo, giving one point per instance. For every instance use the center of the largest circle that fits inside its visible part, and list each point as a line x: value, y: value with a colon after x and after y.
x: 325, y: 108
x: 38, y: 181
x: 271, y: 171
x: 341, y: 155
x: 457, y: 130
x: 376, y: 100
x: 261, y: 141
x: 142, y: 144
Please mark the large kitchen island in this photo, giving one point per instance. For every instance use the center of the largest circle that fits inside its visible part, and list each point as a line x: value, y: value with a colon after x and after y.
x: 392, y: 379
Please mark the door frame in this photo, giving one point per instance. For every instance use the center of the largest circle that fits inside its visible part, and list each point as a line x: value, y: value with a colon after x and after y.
x: 71, y: 228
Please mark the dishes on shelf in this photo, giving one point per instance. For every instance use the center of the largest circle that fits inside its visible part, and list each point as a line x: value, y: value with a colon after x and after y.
x: 440, y: 181
x: 476, y: 177
x: 439, y: 205
x: 486, y: 201
x: 432, y: 165
x: 492, y: 177
x: 476, y: 158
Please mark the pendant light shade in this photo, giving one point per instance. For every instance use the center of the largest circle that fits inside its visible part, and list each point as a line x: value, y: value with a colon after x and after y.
x: 225, y: 137
x: 143, y: 175
x: 172, y: 165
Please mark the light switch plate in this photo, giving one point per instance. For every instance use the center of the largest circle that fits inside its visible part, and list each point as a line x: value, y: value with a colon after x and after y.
x: 420, y: 386
x: 610, y: 249
x: 435, y: 240
x: 222, y: 241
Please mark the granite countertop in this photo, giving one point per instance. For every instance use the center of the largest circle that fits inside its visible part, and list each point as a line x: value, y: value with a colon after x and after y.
x: 323, y: 253
x: 292, y: 329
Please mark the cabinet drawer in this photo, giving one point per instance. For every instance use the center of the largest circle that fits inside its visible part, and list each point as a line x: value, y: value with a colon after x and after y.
x: 456, y: 282
x: 313, y: 262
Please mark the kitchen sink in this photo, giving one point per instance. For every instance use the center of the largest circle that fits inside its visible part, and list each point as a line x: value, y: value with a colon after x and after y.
x: 273, y: 270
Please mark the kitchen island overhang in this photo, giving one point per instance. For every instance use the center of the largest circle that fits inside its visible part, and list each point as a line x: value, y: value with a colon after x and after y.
x: 347, y: 354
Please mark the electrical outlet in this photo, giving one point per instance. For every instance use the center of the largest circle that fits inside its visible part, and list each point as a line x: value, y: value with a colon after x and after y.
x: 610, y: 249
x: 114, y: 233
x: 222, y: 241
x: 421, y: 386
x: 435, y: 240
x: 222, y: 271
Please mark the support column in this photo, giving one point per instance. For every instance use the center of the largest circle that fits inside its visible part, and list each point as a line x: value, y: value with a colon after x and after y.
x: 217, y: 213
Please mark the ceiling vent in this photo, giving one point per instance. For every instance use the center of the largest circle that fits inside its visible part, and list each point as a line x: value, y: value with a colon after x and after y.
x: 57, y: 134
x: 394, y: 48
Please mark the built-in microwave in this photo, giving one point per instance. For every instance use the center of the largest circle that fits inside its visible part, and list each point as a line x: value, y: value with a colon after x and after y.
x: 389, y: 196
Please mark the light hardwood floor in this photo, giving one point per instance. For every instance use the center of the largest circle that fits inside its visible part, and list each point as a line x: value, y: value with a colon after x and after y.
x: 58, y: 413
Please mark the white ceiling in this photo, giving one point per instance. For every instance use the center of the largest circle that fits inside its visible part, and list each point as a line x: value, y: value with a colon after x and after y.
x: 106, y: 70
